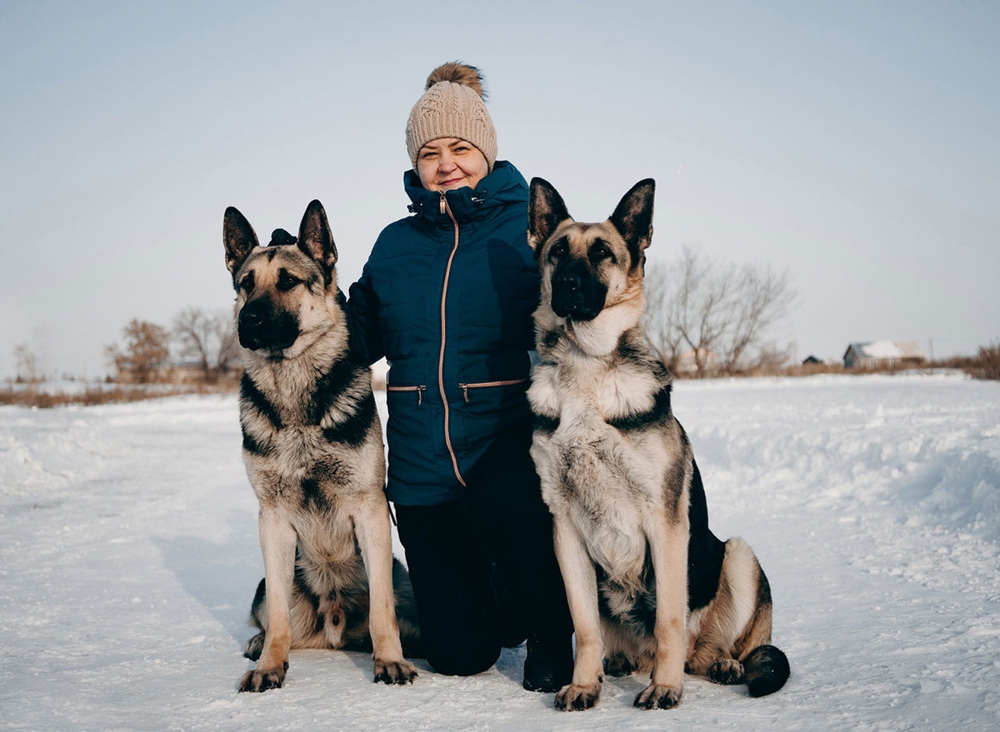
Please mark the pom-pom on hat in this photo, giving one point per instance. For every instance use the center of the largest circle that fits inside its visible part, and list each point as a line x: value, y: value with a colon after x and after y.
x: 452, y: 106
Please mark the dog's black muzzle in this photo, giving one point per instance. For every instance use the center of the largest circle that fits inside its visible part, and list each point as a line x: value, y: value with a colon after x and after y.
x: 262, y: 327
x: 576, y: 292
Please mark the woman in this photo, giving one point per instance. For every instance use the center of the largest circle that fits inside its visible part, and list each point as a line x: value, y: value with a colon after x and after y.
x: 447, y: 297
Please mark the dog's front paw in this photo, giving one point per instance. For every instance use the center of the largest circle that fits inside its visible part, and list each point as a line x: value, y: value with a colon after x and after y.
x: 655, y: 696
x: 261, y: 680
x: 574, y: 698
x: 394, y: 672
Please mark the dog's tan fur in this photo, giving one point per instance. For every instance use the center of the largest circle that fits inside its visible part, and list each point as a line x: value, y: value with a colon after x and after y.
x: 617, y: 471
x: 312, y: 444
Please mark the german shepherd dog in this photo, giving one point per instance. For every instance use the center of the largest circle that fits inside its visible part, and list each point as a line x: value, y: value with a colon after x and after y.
x: 312, y: 445
x: 618, y: 474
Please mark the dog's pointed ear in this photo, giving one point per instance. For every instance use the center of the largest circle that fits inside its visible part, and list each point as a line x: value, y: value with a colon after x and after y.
x: 238, y: 237
x: 546, y: 211
x: 633, y: 218
x: 316, y: 239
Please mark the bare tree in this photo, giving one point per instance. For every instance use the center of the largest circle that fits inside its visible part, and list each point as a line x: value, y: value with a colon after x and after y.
x: 686, y: 304
x: 26, y: 361
x: 719, y: 313
x: 210, y: 339
x: 146, y: 347
x: 762, y: 298
x: 660, y: 313
x: 771, y: 358
x: 229, y: 343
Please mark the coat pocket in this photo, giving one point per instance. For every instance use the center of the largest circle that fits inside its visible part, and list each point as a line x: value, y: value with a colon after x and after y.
x: 486, y: 385
x: 419, y: 390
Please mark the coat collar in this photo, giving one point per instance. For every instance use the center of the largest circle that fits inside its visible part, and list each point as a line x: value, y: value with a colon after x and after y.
x: 504, y: 184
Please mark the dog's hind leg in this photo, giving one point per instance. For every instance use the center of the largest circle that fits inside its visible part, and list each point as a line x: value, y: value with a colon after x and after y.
x: 625, y: 652
x: 277, y: 541
x: 765, y: 667
x: 375, y: 539
x: 731, y: 643
x: 735, y: 610
x: 258, y: 619
x: 315, y: 623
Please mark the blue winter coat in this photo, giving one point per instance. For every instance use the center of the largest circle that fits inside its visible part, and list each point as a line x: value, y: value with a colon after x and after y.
x: 447, y: 297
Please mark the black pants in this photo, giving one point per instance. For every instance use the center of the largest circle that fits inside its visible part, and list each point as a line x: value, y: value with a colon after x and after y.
x: 483, y: 569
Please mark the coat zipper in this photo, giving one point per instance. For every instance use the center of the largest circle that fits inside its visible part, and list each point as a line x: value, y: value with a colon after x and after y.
x: 484, y: 384
x: 444, y: 299
x: 464, y: 387
x: 419, y: 389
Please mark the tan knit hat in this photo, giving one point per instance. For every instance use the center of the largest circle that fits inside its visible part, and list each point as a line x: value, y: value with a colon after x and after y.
x: 452, y: 106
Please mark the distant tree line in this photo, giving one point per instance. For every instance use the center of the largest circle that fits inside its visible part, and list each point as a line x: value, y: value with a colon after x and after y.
x: 703, y: 318
x: 204, y: 344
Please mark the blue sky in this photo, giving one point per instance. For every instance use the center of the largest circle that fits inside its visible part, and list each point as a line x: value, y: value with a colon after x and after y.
x: 853, y: 143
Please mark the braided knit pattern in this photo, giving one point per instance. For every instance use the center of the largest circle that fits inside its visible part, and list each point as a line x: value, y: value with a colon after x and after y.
x: 449, y: 109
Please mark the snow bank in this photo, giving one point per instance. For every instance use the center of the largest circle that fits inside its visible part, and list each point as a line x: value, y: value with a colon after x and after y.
x: 129, y: 555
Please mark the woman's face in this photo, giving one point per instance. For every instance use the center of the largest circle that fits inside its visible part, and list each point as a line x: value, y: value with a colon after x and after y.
x: 448, y: 163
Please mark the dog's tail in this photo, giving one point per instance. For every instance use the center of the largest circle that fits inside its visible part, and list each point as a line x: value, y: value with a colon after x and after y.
x: 765, y: 670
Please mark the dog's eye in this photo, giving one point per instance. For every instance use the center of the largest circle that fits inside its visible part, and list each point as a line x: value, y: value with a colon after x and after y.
x: 558, y: 250
x: 246, y: 284
x: 286, y: 281
x: 600, y: 251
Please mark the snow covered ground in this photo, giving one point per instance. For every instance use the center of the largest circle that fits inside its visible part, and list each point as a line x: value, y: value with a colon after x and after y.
x: 129, y: 555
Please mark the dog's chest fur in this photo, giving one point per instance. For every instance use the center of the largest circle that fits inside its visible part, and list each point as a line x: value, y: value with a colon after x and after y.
x: 592, y: 447
x: 312, y: 443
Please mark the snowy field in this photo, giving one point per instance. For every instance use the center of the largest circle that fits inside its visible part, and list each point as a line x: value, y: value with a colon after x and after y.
x: 129, y: 556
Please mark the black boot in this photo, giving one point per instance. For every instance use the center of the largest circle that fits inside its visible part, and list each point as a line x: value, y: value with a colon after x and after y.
x: 549, y: 666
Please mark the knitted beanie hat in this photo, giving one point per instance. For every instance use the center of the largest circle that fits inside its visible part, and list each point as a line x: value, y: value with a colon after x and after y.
x: 452, y: 106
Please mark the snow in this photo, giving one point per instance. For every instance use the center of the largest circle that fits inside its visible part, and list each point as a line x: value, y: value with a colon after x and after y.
x: 129, y: 556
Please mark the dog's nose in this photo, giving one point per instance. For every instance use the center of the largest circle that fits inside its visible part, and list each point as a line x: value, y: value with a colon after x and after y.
x: 570, y: 282
x: 251, y: 318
